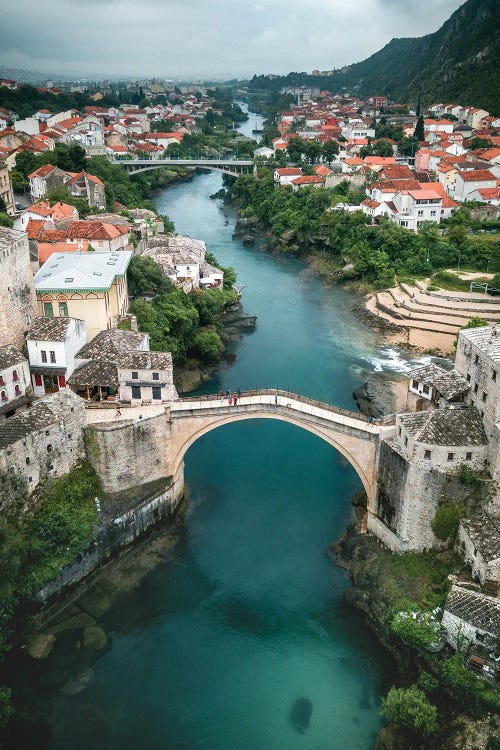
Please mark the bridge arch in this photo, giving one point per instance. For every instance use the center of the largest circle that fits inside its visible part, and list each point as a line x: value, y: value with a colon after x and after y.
x: 358, y: 447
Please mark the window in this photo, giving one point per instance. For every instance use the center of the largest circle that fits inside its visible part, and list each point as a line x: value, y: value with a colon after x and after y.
x: 493, y: 375
x: 433, y: 213
x: 414, y: 383
x: 2, y: 381
x: 63, y: 309
x: 426, y: 389
x: 136, y: 391
x: 43, y: 355
x: 47, y: 310
x: 15, y: 375
x: 52, y: 356
x: 62, y: 381
x: 420, y: 212
x: 18, y: 390
x: 427, y: 454
x: 3, y: 396
x: 156, y: 376
x: 475, y: 388
x: 484, y: 396
x: 38, y: 379
x: 156, y: 393
x: 399, y: 431
x: 49, y: 448
x: 27, y: 460
x: 468, y: 378
x: 135, y: 376
x: 406, y: 441
x: 476, y: 359
x: 451, y: 456
x: 468, y: 456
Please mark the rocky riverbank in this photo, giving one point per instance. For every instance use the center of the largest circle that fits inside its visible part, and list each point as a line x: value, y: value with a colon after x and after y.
x: 382, y: 393
x: 383, y: 583
x: 235, y: 323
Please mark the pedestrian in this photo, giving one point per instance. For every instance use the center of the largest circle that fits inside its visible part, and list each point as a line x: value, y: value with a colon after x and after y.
x: 230, y: 401
x: 228, y: 392
x: 371, y: 419
x: 276, y: 399
x: 118, y: 412
x: 239, y: 393
x: 235, y: 400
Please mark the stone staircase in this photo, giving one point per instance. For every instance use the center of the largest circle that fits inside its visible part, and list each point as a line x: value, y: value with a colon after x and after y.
x: 417, y: 310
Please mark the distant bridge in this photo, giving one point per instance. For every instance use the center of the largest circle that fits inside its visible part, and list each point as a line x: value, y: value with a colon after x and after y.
x: 226, y: 166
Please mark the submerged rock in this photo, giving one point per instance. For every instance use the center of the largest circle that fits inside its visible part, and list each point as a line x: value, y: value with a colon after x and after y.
x: 82, y: 682
x: 300, y: 714
x: 39, y: 646
x: 94, y: 639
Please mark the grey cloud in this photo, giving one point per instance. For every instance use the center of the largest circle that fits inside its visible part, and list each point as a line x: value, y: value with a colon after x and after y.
x: 211, y: 37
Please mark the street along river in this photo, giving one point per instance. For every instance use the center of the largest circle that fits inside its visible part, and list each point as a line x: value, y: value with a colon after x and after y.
x: 239, y: 639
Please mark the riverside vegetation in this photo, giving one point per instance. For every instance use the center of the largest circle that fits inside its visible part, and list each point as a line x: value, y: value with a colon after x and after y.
x: 440, y: 702
x: 35, y: 546
x: 345, y: 246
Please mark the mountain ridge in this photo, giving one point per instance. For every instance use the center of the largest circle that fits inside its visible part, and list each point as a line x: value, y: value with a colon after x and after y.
x: 459, y: 62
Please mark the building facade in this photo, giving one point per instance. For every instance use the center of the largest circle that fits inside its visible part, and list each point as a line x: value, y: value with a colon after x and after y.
x: 17, y: 293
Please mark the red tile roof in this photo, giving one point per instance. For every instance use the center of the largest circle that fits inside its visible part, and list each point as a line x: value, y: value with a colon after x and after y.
x: 42, y: 171
x: 477, y: 175
x: 310, y: 179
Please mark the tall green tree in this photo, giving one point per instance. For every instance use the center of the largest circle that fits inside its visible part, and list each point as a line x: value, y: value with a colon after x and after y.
x: 419, y: 129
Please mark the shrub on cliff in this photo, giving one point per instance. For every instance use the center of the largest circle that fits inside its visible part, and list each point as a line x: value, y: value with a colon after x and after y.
x: 446, y: 520
x: 415, y: 629
x: 410, y: 708
x: 473, y: 694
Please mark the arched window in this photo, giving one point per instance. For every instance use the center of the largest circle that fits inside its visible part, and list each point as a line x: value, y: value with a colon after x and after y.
x: 15, y: 375
x: 18, y: 390
x: 63, y: 309
x: 47, y: 310
x: 3, y: 396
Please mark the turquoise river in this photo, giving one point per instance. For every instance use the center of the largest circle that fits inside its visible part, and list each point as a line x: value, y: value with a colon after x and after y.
x: 238, y: 639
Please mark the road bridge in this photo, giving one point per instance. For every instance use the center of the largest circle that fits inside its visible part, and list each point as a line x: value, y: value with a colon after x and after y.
x: 226, y: 166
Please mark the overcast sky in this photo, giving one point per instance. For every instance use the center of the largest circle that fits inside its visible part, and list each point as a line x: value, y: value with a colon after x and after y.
x: 205, y: 38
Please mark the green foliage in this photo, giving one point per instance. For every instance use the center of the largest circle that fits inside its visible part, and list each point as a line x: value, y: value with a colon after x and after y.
x: 5, y: 220
x: 419, y: 632
x: 60, y: 193
x: 446, y: 520
x: 473, y: 694
x: 410, y: 708
x: 144, y: 276
x: 207, y: 343
x: 378, y: 253
x: 6, y: 709
x: 468, y: 476
x: 419, y: 134
x: 427, y: 682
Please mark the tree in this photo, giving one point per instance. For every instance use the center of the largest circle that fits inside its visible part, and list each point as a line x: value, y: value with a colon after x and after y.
x: 410, y: 708
x: 145, y: 275
x: 382, y: 147
x: 208, y: 343
x: 418, y: 133
x: 5, y: 220
x: 329, y: 150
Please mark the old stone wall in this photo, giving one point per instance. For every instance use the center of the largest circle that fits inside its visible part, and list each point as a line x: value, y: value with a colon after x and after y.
x: 162, y: 505
x: 408, y: 496
x: 354, y: 180
x: 17, y: 291
x: 49, y: 450
x: 127, y: 454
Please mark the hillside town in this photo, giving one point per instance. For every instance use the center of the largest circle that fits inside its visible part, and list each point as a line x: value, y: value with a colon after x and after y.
x: 78, y: 377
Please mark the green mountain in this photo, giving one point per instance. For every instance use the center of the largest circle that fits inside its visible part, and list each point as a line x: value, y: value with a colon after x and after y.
x: 458, y: 63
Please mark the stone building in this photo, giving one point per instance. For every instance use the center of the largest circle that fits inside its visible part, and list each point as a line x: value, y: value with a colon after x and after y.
x: 183, y: 261
x: 478, y: 542
x: 15, y: 391
x: 6, y: 192
x: 418, y: 470
x: 471, y: 618
x: 117, y: 365
x: 52, y: 346
x: 43, y: 441
x: 17, y: 292
x: 432, y: 386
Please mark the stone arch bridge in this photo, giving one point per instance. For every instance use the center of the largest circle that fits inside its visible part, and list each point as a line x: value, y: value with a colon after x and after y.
x: 352, y: 434
x: 226, y: 166
x: 146, y: 444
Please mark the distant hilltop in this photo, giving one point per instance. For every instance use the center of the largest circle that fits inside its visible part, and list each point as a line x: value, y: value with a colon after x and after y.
x: 459, y: 62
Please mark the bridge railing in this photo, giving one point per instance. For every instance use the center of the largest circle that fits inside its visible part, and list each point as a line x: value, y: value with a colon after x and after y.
x: 386, y: 420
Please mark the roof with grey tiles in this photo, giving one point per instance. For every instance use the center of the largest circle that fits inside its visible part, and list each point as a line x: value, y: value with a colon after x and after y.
x: 49, y: 329
x: 453, y: 427
x: 484, y: 531
x: 486, y: 338
x: 481, y: 611
x: 110, y: 344
x: 10, y: 356
x: 95, y: 373
x: 449, y: 383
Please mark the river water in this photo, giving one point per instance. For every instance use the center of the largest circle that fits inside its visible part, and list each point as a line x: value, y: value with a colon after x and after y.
x: 239, y: 639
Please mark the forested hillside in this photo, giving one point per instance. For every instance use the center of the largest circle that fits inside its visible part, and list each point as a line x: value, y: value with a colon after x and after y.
x: 457, y: 63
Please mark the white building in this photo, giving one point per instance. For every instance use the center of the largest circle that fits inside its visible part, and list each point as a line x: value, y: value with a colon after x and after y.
x: 52, y: 346
x: 478, y: 542
x: 467, y: 183
x: 14, y: 380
